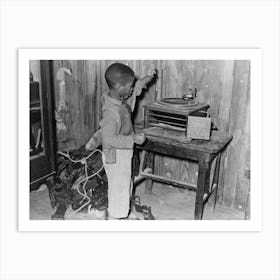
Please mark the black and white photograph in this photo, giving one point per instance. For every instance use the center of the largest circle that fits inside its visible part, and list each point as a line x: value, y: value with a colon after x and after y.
x: 141, y: 139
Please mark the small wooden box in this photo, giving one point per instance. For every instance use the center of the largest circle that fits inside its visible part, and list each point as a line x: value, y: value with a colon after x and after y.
x: 198, y: 128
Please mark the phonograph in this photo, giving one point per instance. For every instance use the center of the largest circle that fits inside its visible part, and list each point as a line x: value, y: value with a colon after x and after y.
x: 186, y: 115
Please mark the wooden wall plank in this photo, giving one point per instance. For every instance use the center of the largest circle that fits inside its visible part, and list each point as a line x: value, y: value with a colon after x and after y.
x: 223, y: 115
x: 178, y: 77
x: 236, y: 128
x: 243, y: 179
x: 209, y: 83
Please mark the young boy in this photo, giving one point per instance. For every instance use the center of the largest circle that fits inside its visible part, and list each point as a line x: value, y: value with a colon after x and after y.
x: 117, y: 135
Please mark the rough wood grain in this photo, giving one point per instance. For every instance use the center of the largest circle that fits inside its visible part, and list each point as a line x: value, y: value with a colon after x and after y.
x: 238, y: 113
x: 243, y: 180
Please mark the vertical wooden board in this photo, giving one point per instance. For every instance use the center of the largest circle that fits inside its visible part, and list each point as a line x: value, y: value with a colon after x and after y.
x: 101, y: 86
x: 237, y: 115
x: 138, y: 67
x: 100, y: 80
x: 64, y: 137
x: 56, y: 65
x: 75, y: 97
x: 178, y: 77
x: 101, y: 68
x: 89, y: 95
x: 224, y: 104
x: 243, y: 179
x: 71, y: 97
x: 94, y: 99
x: 170, y: 167
x: 160, y: 64
x: 86, y: 106
x: 60, y: 115
x: 201, y: 80
x: 157, y: 166
x: 188, y: 172
x: 75, y: 100
x: 80, y: 105
x: 148, y: 96
x: 85, y: 102
x: 80, y: 101
x: 223, y: 115
x: 95, y: 94
x: 208, y: 81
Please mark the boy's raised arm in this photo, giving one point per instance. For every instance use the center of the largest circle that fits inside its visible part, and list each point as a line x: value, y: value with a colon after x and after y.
x: 140, y: 85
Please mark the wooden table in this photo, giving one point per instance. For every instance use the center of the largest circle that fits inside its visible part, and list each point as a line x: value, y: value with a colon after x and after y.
x: 174, y: 144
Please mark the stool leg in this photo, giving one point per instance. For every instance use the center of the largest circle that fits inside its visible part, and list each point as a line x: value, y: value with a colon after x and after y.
x: 202, y: 183
x: 150, y: 157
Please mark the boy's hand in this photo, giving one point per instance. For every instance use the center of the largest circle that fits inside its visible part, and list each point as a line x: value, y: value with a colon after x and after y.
x: 151, y: 71
x: 139, y: 138
x: 141, y: 83
x: 94, y: 141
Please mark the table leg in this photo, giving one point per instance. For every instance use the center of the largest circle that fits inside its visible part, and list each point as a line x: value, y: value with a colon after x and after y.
x: 135, y: 163
x: 150, y: 158
x: 32, y: 140
x: 216, y: 180
x: 202, y: 184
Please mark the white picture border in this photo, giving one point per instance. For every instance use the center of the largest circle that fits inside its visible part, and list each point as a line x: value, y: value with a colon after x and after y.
x: 254, y: 55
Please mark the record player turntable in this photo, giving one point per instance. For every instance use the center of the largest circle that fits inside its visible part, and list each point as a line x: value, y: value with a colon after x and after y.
x: 173, y: 113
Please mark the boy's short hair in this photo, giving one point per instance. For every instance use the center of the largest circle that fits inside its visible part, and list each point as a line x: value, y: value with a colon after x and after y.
x: 118, y: 73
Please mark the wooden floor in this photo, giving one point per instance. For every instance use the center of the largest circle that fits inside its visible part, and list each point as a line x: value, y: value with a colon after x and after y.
x: 166, y: 202
x: 171, y: 203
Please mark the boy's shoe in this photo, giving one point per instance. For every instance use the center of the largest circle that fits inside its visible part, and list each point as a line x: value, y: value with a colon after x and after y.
x: 137, y: 204
x: 147, y: 213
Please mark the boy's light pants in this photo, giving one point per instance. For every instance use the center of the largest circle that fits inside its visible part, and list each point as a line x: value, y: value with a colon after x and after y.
x: 119, y: 183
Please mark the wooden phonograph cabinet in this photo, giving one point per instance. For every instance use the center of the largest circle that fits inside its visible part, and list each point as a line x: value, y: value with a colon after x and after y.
x: 42, y: 124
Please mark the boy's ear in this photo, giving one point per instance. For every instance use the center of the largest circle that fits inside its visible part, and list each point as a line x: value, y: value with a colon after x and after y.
x: 118, y: 85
